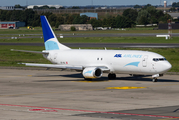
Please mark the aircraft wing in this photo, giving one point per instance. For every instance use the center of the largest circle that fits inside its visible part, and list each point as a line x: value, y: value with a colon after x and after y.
x: 54, y: 66
x: 103, y: 68
x: 38, y: 52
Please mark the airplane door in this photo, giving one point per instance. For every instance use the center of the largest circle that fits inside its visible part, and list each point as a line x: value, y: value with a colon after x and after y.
x: 144, y: 61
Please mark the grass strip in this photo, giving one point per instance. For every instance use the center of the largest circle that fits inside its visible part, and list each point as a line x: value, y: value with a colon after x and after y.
x: 96, y: 40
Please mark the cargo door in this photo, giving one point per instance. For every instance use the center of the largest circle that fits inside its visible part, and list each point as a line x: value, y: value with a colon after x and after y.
x: 144, y: 61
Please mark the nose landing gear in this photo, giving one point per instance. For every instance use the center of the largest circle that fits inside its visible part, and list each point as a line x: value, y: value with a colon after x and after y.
x: 154, y: 79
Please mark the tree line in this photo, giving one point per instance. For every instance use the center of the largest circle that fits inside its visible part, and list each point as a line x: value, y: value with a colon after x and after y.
x: 129, y: 18
x: 175, y: 4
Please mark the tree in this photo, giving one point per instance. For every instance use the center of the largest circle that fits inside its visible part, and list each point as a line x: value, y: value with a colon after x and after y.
x: 60, y: 19
x: 73, y: 28
x: 28, y: 16
x: 137, y: 6
x: 3, y: 15
x: 95, y: 22
x: 8, y: 15
x: 130, y: 14
x: 69, y: 18
x: 44, y: 7
x: 35, y: 7
x: 174, y: 4
x: 61, y: 7
x: 80, y: 19
x: 75, y: 7
x: 146, y: 6
x: 143, y: 17
x: 52, y: 19
x: 47, y: 14
x: 112, y: 22
x: 173, y: 9
x: 15, y: 16
x: 76, y: 20
x: 163, y: 19
x: 153, y: 14
x: 52, y: 8
x: 18, y: 6
x: 84, y: 19
x: 122, y: 22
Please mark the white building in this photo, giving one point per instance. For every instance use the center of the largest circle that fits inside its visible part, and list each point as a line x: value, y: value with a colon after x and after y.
x: 7, y: 7
x: 32, y: 6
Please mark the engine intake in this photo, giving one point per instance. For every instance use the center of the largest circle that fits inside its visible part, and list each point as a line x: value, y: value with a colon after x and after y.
x: 92, y: 72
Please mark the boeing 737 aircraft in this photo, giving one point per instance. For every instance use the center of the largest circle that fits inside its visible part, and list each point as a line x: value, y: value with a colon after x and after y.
x: 93, y: 63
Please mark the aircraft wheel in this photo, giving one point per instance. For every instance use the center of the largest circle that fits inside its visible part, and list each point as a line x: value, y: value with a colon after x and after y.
x: 111, y: 76
x: 154, y: 80
x: 88, y: 79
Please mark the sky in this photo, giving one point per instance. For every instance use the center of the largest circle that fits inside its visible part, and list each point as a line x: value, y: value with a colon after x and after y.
x: 83, y: 2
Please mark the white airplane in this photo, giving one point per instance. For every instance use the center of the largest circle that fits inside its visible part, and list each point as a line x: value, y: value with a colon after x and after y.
x: 93, y: 63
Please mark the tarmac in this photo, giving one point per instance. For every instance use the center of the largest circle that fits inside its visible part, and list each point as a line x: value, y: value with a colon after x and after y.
x: 54, y: 94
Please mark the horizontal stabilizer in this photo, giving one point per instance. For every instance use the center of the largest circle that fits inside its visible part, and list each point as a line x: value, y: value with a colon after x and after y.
x: 38, y: 52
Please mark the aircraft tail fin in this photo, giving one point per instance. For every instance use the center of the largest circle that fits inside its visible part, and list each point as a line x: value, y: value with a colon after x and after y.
x: 50, y: 40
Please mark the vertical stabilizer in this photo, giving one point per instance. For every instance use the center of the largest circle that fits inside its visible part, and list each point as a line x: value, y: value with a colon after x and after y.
x: 50, y: 40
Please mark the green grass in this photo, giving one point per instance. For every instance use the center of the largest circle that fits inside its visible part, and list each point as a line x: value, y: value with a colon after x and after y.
x: 97, y: 40
x: 119, y: 40
x: 38, y: 30
x: 12, y: 58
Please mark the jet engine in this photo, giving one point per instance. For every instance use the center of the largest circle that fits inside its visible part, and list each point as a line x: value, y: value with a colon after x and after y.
x: 92, y: 72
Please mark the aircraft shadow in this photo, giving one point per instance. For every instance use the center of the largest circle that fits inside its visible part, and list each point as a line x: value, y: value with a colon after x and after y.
x: 80, y: 77
x: 144, y: 79
x: 77, y: 75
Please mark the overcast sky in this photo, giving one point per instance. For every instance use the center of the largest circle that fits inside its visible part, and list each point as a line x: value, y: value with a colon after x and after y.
x: 82, y: 2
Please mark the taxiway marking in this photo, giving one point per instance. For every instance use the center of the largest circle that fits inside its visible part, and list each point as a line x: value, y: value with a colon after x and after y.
x: 87, y: 111
x: 124, y: 88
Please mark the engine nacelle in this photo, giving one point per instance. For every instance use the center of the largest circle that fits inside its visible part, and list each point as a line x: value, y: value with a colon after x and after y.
x: 92, y: 72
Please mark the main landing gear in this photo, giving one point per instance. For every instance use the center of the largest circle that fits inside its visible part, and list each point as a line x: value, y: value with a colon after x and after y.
x: 111, y: 76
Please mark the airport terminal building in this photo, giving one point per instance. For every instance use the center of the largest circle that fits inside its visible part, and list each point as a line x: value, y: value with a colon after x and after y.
x: 11, y: 24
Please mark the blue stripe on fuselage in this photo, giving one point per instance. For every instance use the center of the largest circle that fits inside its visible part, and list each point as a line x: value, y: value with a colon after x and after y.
x: 133, y: 64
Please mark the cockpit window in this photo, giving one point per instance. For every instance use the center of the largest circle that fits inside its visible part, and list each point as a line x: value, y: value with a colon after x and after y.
x: 159, y: 59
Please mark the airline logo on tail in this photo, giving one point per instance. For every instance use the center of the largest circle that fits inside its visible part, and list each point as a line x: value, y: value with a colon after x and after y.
x: 50, y: 40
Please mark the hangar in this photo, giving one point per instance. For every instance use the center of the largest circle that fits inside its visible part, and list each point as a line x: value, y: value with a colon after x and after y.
x: 11, y: 24
x: 67, y: 27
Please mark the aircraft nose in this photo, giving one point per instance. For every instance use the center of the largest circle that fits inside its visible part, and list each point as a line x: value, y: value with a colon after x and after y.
x: 168, y: 66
